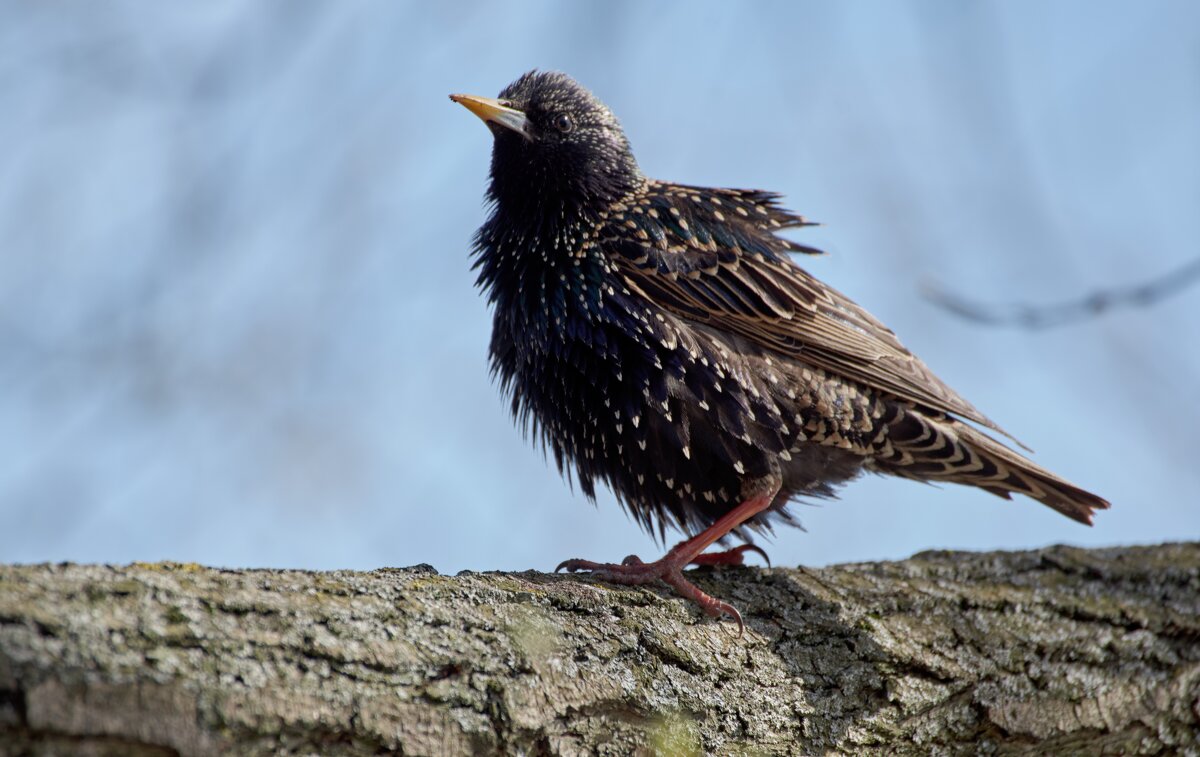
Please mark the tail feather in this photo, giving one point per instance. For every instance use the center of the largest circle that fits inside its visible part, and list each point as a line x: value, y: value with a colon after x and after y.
x: 1029, y: 478
x: 939, y: 448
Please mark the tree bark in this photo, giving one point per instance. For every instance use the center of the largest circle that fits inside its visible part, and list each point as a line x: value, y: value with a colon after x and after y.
x: 1053, y: 651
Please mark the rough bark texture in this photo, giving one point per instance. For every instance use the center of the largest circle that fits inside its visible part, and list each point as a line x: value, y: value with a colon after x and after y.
x: 1054, y: 651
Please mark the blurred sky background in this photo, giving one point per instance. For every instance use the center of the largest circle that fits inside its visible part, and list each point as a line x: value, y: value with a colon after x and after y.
x: 238, y: 325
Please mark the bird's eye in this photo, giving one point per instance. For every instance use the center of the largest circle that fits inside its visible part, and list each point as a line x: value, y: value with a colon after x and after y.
x: 563, y: 123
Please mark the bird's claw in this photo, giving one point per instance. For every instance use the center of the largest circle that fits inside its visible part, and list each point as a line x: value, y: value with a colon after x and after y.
x: 735, y: 556
x: 575, y: 565
x: 632, y: 571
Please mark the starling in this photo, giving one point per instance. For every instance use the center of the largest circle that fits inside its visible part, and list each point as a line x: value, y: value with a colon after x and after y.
x: 659, y: 338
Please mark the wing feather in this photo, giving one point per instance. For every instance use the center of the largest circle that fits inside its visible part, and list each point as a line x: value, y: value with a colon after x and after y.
x: 713, y: 256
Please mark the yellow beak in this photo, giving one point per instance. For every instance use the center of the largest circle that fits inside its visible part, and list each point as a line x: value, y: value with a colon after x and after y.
x: 493, y: 111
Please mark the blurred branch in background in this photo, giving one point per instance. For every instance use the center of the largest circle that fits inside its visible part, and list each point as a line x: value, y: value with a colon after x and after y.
x: 1050, y: 316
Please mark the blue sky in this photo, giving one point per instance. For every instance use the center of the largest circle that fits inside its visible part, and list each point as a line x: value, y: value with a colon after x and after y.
x: 239, y: 325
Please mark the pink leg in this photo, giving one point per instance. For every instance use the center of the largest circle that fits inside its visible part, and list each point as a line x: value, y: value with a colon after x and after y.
x: 633, y: 572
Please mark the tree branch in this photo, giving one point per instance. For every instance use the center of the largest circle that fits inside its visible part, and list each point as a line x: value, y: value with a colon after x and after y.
x: 1053, y: 651
x: 1049, y: 316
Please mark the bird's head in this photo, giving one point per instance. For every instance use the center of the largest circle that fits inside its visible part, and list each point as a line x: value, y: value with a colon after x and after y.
x: 556, y: 149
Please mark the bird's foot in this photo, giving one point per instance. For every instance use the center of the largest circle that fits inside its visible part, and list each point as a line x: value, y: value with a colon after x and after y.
x: 633, y: 572
x: 759, y: 493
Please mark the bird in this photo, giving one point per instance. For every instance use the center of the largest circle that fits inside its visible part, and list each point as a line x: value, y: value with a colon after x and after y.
x: 659, y: 338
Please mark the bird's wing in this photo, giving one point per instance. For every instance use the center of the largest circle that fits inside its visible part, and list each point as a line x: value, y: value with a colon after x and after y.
x: 712, y: 256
